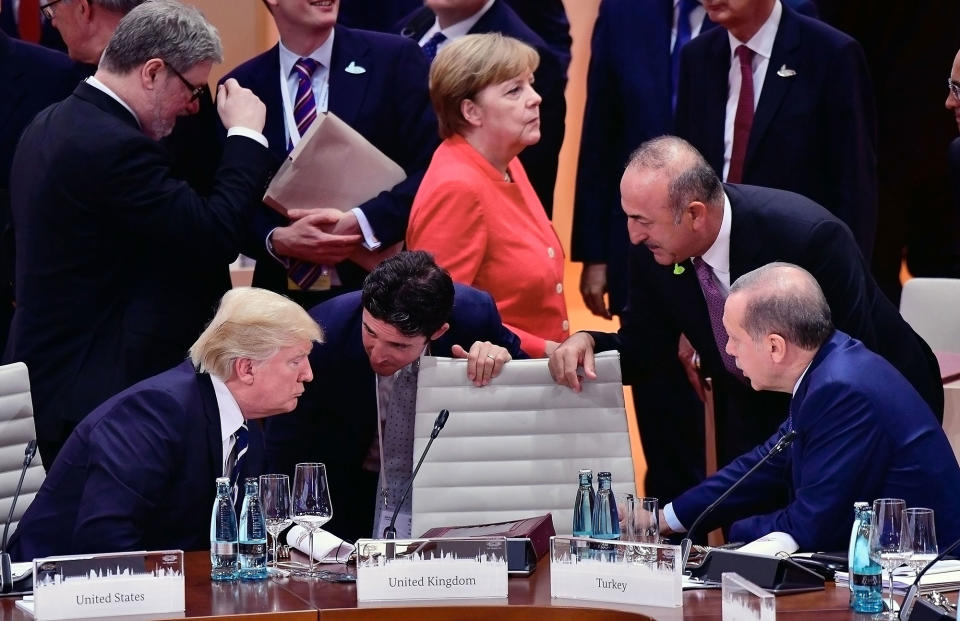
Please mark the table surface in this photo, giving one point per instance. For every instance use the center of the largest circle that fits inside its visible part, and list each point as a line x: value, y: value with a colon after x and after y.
x: 299, y: 599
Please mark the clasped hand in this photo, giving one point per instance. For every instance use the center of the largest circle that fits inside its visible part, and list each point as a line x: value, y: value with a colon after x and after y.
x: 324, y: 236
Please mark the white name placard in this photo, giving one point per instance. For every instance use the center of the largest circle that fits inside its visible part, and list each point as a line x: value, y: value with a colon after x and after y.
x: 408, y: 569
x: 106, y: 585
x: 616, y: 571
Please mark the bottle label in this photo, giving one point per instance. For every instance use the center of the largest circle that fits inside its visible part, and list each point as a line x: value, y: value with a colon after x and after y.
x: 253, y: 549
x: 223, y: 547
x: 867, y: 580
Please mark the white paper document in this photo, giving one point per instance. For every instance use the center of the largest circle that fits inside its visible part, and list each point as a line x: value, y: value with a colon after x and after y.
x: 327, y: 547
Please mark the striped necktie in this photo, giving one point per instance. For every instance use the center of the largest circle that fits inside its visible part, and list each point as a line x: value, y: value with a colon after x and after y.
x: 241, y: 443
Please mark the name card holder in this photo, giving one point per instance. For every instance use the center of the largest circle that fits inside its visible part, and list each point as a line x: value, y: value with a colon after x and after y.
x: 409, y: 569
x: 106, y: 585
x: 620, y: 572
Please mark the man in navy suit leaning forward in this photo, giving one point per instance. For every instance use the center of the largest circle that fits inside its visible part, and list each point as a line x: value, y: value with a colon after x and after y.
x: 863, y: 431
x: 138, y: 473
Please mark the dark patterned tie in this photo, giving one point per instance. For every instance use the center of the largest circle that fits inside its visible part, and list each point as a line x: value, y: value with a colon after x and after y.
x: 398, y: 441
x: 715, y: 298
x: 304, y: 273
x: 430, y: 47
x: 743, y: 120
x: 684, y: 34
x: 239, y: 452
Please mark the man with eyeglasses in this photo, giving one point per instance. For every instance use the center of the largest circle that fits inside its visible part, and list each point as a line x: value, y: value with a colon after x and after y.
x: 114, y: 255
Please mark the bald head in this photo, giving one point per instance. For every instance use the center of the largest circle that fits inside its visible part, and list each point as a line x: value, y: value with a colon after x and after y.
x: 784, y: 299
x: 689, y: 176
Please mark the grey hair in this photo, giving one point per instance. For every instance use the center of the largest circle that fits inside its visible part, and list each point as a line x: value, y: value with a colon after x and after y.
x: 164, y: 29
x: 251, y: 323
x: 691, y: 177
x: 784, y: 299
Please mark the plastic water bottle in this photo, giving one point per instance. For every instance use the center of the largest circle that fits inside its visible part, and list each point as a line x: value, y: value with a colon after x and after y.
x: 223, y: 535
x: 583, y: 506
x: 866, y: 582
x: 253, y: 534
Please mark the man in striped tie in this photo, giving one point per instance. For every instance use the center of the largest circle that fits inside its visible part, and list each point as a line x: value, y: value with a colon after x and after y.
x: 138, y: 473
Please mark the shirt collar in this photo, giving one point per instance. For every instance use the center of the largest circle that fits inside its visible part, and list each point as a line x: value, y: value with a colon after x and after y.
x: 230, y: 416
x: 100, y: 86
x: 800, y: 379
x: 762, y: 42
x: 717, y: 255
x: 322, y: 55
x: 461, y: 28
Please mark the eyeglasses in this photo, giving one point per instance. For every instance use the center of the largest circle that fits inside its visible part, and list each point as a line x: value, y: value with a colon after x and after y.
x: 954, y: 88
x: 195, y: 91
x: 46, y: 10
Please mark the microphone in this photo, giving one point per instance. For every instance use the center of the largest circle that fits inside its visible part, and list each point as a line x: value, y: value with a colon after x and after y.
x: 390, y: 532
x: 910, y: 599
x: 685, y: 545
x: 6, y: 575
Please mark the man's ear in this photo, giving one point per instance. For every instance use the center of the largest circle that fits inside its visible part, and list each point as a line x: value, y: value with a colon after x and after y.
x: 776, y: 347
x: 150, y: 73
x: 243, y: 370
x: 440, y: 332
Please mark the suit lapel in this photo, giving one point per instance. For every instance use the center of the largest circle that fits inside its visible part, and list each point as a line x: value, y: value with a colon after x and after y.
x: 713, y: 85
x: 743, y: 235
x: 106, y: 103
x: 211, y: 414
x: 418, y: 24
x: 775, y: 87
x: 348, y: 88
x: 265, y: 81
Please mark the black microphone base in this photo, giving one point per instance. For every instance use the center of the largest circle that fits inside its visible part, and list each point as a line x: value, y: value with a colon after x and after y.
x: 925, y: 610
x: 6, y: 575
x: 779, y: 575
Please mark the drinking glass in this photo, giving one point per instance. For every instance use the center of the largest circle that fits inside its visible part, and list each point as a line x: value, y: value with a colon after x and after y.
x: 625, y: 505
x: 647, y: 523
x: 275, y: 499
x: 919, y: 537
x: 886, y: 542
x: 311, y: 502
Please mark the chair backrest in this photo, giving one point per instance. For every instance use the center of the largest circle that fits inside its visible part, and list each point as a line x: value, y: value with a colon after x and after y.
x: 930, y: 306
x: 16, y: 430
x: 512, y: 449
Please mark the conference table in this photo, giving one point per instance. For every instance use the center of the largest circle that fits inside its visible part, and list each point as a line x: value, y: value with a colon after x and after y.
x: 302, y: 599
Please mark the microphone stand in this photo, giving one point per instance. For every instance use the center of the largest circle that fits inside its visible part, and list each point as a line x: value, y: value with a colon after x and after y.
x: 906, y: 609
x: 6, y: 574
x: 778, y: 448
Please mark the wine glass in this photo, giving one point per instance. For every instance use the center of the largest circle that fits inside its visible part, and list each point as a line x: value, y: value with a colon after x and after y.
x: 311, y: 502
x: 275, y: 499
x: 886, y: 542
x: 919, y: 537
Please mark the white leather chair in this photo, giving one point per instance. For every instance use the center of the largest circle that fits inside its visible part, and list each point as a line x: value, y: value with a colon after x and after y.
x: 512, y: 449
x: 932, y: 307
x: 16, y: 430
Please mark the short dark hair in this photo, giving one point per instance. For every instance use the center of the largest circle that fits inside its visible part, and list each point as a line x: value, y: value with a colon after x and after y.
x: 692, y: 177
x: 785, y: 299
x: 410, y: 292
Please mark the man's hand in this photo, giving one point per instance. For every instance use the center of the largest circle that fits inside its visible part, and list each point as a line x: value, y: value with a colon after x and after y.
x: 308, y: 237
x: 572, y: 353
x: 484, y: 361
x: 690, y: 361
x: 239, y: 107
x: 593, y: 287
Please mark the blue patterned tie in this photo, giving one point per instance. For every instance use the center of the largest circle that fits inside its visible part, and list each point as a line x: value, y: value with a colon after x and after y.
x: 240, y: 445
x: 715, y: 298
x: 684, y: 34
x: 430, y: 47
x: 304, y: 273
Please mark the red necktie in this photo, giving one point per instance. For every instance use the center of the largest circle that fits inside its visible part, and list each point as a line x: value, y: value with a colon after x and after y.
x: 28, y: 20
x: 743, y: 120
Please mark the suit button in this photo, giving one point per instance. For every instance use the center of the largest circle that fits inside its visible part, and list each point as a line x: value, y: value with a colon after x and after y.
x: 559, y: 287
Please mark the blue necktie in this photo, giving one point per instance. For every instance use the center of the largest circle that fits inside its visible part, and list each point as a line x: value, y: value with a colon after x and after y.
x: 430, y: 47
x: 683, y: 36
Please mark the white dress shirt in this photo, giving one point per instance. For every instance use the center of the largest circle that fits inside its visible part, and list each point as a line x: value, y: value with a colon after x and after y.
x: 230, y: 419
x: 762, y: 45
x: 455, y: 31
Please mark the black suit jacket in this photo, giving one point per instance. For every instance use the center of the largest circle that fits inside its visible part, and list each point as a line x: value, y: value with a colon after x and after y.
x: 336, y: 419
x: 138, y: 474
x: 767, y: 225
x: 49, y: 36
x: 539, y: 160
x: 94, y: 207
x: 814, y: 132
x: 388, y: 104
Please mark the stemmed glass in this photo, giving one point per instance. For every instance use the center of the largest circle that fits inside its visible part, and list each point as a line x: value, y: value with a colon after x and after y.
x: 919, y: 537
x: 275, y: 499
x: 886, y: 542
x: 311, y: 502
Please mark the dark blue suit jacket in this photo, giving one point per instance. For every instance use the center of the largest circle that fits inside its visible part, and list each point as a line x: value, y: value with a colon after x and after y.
x: 863, y: 433
x: 388, y: 104
x: 137, y: 474
x: 539, y: 160
x: 813, y: 133
x: 767, y: 225
x: 103, y: 301
x: 336, y: 420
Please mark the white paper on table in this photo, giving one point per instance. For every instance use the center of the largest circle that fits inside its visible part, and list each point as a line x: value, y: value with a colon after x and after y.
x: 776, y: 543
x: 327, y: 547
x: 944, y: 576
